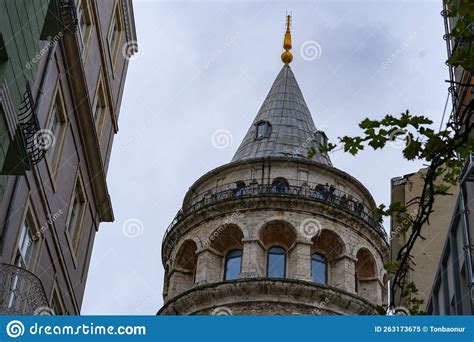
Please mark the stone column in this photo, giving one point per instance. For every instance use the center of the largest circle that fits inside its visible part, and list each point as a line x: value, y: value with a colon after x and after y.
x: 370, y: 289
x: 300, y: 261
x: 342, y: 273
x: 253, y: 259
x: 180, y: 281
x: 209, y: 267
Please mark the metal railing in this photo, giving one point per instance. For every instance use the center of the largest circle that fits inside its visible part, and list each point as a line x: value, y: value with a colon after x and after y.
x: 70, y: 22
x: 30, y: 127
x: 21, y: 292
x: 317, y: 193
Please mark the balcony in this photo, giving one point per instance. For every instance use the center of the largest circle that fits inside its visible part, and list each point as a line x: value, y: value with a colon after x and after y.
x: 313, y: 192
x: 21, y: 292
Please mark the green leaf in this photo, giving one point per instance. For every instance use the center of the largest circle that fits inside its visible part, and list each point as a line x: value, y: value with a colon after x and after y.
x: 412, y: 150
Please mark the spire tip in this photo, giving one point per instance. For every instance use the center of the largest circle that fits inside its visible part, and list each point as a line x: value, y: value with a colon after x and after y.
x: 287, y: 56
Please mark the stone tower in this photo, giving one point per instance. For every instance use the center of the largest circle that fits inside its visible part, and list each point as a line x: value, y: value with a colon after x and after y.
x: 278, y: 230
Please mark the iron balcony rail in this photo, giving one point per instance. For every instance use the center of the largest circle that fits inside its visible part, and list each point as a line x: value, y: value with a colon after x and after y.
x: 30, y: 127
x: 318, y: 193
x: 21, y: 292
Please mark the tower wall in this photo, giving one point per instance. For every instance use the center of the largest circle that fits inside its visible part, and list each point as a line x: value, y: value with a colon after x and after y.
x: 218, y: 217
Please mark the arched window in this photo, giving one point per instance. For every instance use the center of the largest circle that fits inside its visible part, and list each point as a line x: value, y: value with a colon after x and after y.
x: 319, y: 268
x: 280, y: 185
x: 263, y: 130
x: 233, y: 263
x: 276, y: 262
x: 239, y: 189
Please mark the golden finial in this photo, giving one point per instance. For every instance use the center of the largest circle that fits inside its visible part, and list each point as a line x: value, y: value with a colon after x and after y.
x: 287, y: 56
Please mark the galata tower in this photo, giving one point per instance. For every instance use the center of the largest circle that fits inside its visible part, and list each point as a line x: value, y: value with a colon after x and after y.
x: 278, y: 230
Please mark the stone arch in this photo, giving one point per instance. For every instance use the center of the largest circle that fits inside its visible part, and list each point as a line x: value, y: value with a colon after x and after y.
x: 366, y: 276
x: 330, y: 245
x: 365, y: 264
x: 277, y: 233
x: 222, y: 240
x: 226, y: 238
x: 184, y: 268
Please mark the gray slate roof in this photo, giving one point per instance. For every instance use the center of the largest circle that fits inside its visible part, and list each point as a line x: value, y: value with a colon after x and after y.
x: 292, y: 127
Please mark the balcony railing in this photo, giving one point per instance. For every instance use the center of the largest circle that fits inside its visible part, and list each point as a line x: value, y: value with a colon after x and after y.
x: 21, y: 292
x: 30, y: 127
x: 317, y: 193
x: 70, y: 22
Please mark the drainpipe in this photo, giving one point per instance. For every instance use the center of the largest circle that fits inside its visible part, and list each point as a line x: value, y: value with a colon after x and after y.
x: 467, y: 244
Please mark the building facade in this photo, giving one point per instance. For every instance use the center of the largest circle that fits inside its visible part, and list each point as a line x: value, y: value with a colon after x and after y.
x: 63, y: 66
x: 427, y: 251
x: 278, y: 230
x: 453, y: 287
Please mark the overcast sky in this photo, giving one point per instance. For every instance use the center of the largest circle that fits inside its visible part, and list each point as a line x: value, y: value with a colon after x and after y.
x: 207, y: 66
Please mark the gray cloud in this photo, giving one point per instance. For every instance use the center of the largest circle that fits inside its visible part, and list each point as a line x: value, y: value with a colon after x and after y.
x: 190, y: 81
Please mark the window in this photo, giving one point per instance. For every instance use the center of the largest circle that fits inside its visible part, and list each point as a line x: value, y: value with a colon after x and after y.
x: 319, y: 268
x: 239, y: 189
x: 280, y: 185
x: 56, y: 131
x: 115, y: 35
x: 320, y: 138
x: 276, y: 262
x: 84, y: 21
x: 25, y: 244
x: 263, y: 130
x: 25, y: 254
x: 100, y: 109
x: 54, y: 127
x: 233, y: 263
x: 76, y: 213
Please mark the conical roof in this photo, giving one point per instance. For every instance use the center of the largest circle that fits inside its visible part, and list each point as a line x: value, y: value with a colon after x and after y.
x: 286, y: 126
